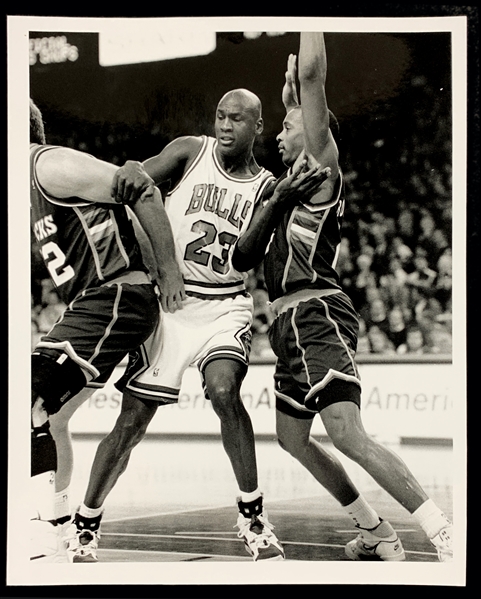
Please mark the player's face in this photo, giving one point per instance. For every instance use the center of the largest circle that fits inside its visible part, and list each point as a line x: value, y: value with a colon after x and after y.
x: 291, y: 139
x: 236, y: 126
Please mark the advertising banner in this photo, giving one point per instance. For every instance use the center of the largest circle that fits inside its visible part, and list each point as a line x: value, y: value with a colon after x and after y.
x: 398, y: 400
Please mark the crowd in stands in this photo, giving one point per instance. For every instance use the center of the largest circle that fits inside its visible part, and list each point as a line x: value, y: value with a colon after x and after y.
x: 395, y: 259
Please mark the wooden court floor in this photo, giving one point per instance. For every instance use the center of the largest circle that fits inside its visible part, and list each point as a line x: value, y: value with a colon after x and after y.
x: 176, y: 503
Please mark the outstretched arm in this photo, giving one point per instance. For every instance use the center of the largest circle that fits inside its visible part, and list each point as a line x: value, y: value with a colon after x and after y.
x: 168, y: 166
x: 312, y: 78
x: 252, y: 246
x: 65, y: 173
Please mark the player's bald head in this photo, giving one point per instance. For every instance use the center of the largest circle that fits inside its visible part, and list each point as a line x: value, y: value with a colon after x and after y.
x: 246, y: 98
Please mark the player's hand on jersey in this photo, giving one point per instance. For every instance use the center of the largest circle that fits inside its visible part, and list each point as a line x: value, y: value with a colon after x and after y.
x: 290, y: 99
x: 129, y: 182
x: 304, y: 182
x: 171, y: 288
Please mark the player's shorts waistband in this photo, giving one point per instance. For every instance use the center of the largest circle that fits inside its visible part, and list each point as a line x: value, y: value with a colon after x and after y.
x: 206, y: 290
x: 134, y: 277
x: 284, y: 303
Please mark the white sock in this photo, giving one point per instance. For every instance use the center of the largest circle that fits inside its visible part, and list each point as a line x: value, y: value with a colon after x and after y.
x: 248, y: 497
x: 362, y: 513
x: 430, y: 518
x: 88, y: 512
x: 62, y: 503
x: 42, y: 488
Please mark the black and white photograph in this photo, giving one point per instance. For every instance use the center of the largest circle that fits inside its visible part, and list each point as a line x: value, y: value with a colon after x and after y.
x: 245, y: 252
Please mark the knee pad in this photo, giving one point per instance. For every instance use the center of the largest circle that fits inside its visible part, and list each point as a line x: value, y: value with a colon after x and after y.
x: 43, y: 450
x: 55, y: 380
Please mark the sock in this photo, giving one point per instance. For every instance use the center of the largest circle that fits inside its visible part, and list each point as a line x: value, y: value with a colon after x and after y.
x: 430, y: 518
x: 248, y: 497
x: 362, y: 513
x: 62, y: 505
x: 88, y: 518
x: 250, y: 508
x: 42, y: 488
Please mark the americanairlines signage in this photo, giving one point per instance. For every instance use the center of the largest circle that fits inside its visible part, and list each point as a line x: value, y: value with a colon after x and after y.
x: 398, y: 401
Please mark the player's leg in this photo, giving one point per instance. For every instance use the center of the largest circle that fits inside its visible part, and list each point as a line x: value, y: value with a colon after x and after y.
x: 294, y: 424
x: 54, y: 379
x: 111, y: 460
x: 294, y: 436
x: 59, y: 427
x: 223, y: 379
x: 305, y: 343
x: 343, y: 424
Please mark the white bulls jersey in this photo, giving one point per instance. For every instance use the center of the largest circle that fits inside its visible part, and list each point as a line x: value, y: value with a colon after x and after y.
x: 209, y: 210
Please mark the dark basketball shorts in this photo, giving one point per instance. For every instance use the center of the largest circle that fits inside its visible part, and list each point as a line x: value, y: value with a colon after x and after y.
x: 101, y: 326
x: 315, y: 342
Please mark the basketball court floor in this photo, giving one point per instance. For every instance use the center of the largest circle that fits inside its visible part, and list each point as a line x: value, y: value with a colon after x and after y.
x: 176, y: 502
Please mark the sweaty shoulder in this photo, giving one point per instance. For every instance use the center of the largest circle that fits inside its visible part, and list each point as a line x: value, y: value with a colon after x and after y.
x: 186, y: 147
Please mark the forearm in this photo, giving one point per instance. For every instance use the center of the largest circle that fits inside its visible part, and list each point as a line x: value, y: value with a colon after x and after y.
x: 312, y: 58
x: 150, y: 212
x: 251, y: 247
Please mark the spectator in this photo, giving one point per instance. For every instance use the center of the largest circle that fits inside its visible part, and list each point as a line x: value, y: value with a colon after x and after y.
x: 422, y: 277
x: 379, y: 341
x: 397, y: 331
x: 415, y: 341
x: 378, y: 316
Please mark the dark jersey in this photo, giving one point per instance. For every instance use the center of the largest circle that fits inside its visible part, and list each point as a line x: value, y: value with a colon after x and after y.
x: 303, y: 250
x: 83, y: 244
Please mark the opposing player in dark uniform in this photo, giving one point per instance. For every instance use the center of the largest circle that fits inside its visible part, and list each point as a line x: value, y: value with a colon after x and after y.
x: 89, y: 247
x: 314, y: 334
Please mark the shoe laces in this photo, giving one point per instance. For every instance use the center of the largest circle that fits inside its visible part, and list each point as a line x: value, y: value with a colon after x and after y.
x: 86, y: 537
x: 255, y: 525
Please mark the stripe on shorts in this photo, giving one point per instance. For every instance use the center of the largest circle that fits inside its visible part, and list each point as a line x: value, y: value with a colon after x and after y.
x: 153, y: 392
x: 115, y: 315
x: 66, y: 347
x: 293, y: 402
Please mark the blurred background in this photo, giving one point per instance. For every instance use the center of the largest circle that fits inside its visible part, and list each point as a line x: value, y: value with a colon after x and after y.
x: 119, y: 98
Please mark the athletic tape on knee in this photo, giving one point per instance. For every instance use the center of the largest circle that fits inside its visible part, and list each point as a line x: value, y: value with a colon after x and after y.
x: 43, y: 450
x: 55, y: 381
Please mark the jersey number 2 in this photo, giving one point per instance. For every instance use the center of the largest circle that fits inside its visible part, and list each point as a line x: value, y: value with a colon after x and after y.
x: 55, y: 261
x: 195, y: 251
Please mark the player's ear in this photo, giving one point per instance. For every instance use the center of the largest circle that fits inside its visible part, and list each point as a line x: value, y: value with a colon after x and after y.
x: 259, y: 126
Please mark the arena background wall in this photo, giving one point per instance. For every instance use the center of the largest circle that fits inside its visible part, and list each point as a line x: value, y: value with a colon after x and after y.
x: 401, y: 402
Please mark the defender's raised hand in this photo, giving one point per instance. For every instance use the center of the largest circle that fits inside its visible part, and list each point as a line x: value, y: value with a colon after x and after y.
x: 301, y: 185
x: 290, y: 98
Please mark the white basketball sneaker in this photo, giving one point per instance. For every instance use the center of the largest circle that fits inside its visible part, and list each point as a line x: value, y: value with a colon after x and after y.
x: 45, y: 543
x: 443, y: 542
x: 256, y: 531
x: 378, y: 544
x: 82, y: 545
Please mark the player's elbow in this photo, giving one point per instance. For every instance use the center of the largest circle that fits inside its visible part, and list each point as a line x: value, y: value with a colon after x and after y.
x: 243, y: 261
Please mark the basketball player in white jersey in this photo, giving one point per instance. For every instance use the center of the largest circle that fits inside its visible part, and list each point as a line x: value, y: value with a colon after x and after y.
x: 213, y: 186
